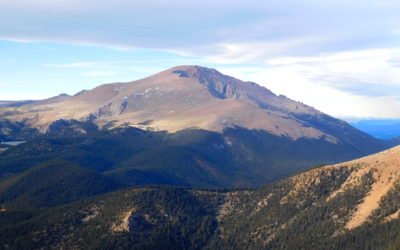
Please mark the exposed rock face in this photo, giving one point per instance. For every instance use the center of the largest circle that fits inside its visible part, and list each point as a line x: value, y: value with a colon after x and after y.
x: 124, y: 224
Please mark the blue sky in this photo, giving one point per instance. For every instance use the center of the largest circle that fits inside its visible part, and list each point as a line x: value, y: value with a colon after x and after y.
x: 342, y: 57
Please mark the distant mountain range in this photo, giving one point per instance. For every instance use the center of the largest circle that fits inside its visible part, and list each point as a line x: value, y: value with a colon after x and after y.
x: 352, y: 205
x: 198, y: 128
x: 385, y: 129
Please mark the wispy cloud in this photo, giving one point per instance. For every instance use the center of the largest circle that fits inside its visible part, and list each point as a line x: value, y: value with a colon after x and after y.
x: 363, y: 72
x: 394, y: 61
x: 189, y: 27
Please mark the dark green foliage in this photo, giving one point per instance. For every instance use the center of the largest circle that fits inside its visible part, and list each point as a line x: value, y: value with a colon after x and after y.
x: 67, y: 128
x: 97, y: 151
x: 163, y: 218
x: 283, y: 157
x: 379, y: 236
x: 134, y: 177
x: 16, y: 131
x: 307, y: 220
x: 33, y: 183
x: 354, y: 138
x: 53, y: 183
x: 197, y: 158
x: 177, y: 218
x: 180, y: 165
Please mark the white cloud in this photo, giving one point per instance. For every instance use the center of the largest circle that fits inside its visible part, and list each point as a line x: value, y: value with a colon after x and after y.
x: 234, y: 53
x: 357, y: 83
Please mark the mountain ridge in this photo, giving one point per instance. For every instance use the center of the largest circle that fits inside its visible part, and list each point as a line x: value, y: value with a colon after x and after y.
x: 318, y: 208
x: 168, y: 100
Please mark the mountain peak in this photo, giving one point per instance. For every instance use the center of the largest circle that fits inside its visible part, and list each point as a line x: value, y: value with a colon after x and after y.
x: 183, y: 97
x: 223, y: 86
x: 193, y: 70
x: 219, y: 85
